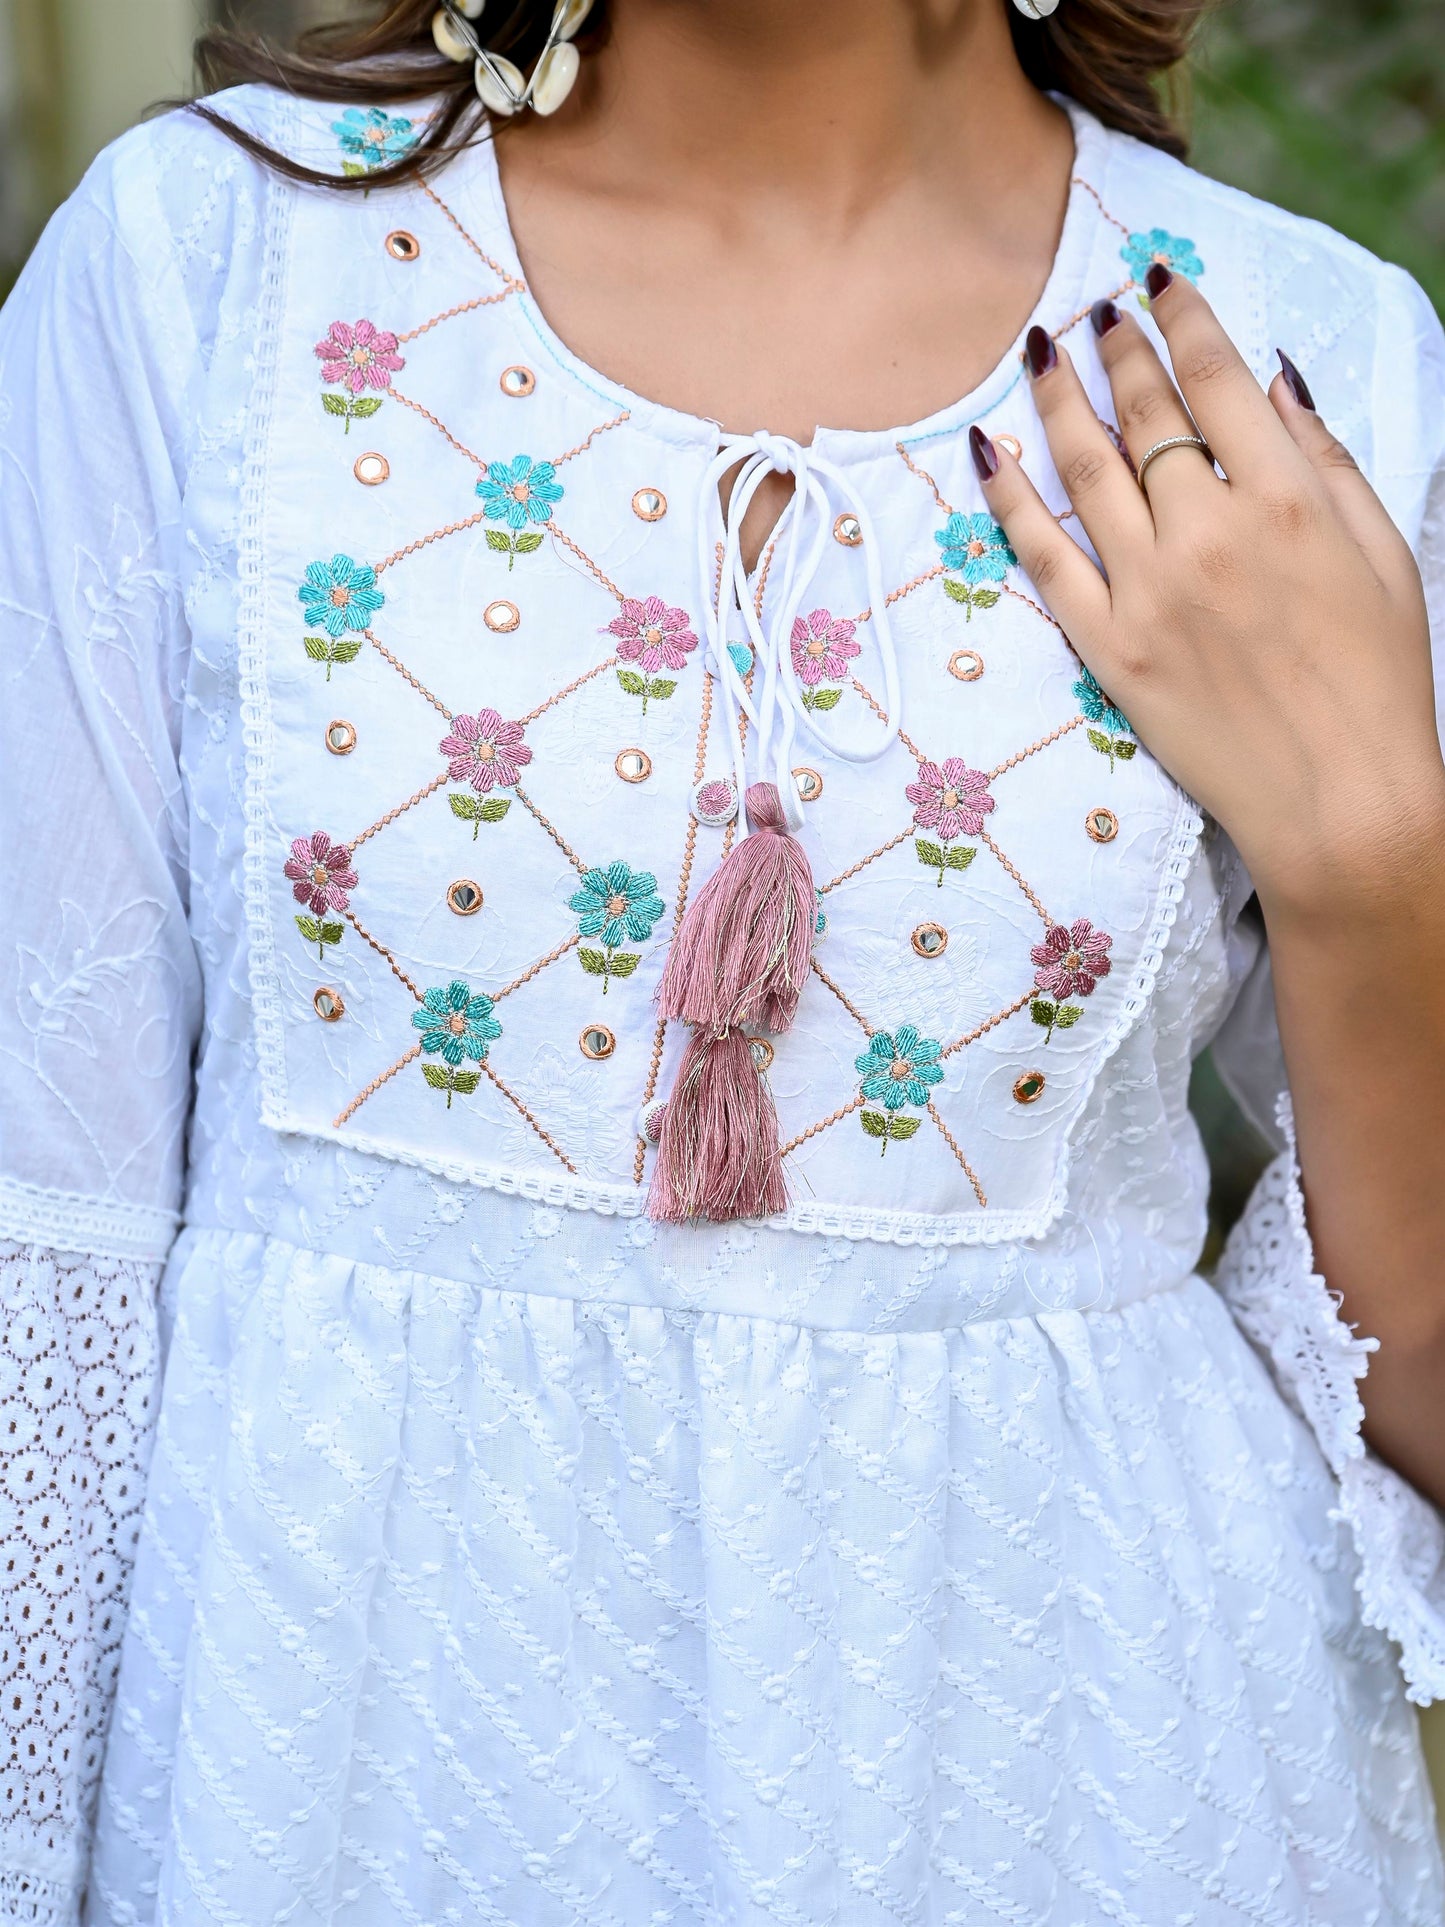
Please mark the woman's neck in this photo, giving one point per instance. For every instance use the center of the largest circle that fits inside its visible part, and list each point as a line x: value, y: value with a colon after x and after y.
x: 777, y: 212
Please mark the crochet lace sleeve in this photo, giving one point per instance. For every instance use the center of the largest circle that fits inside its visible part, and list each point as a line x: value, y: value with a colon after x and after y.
x: 1267, y: 1272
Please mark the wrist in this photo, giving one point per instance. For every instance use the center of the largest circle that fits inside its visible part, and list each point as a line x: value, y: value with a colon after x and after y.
x: 1364, y: 857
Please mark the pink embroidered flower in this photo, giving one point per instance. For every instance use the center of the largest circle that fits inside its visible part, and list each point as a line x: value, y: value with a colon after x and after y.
x: 484, y: 751
x: 953, y: 800
x: 652, y: 635
x: 1071, y: 959
x: 359, y: 357
x: 823, y: 646
x: 320, y: 873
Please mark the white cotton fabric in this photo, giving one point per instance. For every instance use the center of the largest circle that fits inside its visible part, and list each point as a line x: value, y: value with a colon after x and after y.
x: 507, y: 1557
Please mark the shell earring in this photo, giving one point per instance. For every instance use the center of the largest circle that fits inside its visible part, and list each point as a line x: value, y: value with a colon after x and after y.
x: 1036, y: 9
x: 500, y: 84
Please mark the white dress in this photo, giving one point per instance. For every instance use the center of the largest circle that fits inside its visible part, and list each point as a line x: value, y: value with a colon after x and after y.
x: 945, y: 1550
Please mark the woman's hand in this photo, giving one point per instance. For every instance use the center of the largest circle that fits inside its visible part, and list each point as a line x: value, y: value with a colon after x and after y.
x: 1266, y: 634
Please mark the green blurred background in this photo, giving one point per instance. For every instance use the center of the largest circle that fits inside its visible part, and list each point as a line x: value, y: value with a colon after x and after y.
x: 1335, y: 108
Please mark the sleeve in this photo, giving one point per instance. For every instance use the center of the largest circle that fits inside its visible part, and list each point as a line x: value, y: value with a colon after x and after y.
x: 1267, y: 1273
x: 99, y: 985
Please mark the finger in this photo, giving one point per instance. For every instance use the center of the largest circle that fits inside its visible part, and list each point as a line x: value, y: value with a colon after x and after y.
x: 1096, y: 479
x: 1217, y: 384
x: 1150, y: 411
x: 1063, y: 575
x: 1356, y: 503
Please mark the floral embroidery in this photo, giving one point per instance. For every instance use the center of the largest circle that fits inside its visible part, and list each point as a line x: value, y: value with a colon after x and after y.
x: 1172, y: 251
x: 477, y: 810
x: 458, y: 1023
x: 742, y: 655
x: 374, y: 138
x: 1111, y: 738
x: 486, y: 752
x: 654, y: 637
x: 899, y: 1067
x: 339, y: 595
x: 518, y: 492
x: 321, y: 878
x: 358, y: 357
x: 978, y: 550
x: 952, y: 800
x: 619, y: 905
x: 823, y: 646
x: 330, y: 650
x: 1071, y: 960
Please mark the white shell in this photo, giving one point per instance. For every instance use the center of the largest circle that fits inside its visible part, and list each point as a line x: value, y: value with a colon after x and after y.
x: 494, y: 77
x: 556, y: 71
x: 571, y: 13
x: 1036, y: 9
x: 447, y: 37
x: 471, y: 8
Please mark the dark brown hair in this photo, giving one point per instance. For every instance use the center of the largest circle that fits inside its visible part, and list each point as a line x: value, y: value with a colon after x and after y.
x: 1119, y: 58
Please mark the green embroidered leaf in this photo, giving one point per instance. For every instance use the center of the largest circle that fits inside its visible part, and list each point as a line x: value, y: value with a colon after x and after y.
x: 1100, y: 741
x: 825, y: 698
x: 960, y: 856
x: 1124, y: 749
x: 332, y: 932
x: 662, y: 687
x: 437, y: 1076
x: 499, y: 539
x: 632, y: 682
x: 352, y: 167
x: 365, y: 405
x: 466, y: 1081
x: 464, y: 806
x: 526, y: 544
x: 875, y: 1123
x: 1044, y: 1014
x: 317, y: 648
x: 985, y: 598
x: 930, y: 853
x: 594, y: 962
x: 346, y: 649
x: 494, y: 809
x: 902, y: 1127
x: 957, y: 590
x: 334, y: 404
x: 309, y: 928
x: 623, y: 964
x: 1067, y: 1016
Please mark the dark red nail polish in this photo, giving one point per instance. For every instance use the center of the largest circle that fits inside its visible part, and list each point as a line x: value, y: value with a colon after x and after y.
x: 1156, y: 279
x: 1040, y: 352
x: 1104, y: 315
x: 1295, y: 381
x: 985, y: 455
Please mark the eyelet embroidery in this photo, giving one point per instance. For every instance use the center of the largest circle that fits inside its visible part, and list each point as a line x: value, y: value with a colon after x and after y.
x: 976, y: 548
x: 356, y: 356
x: 373, y: 138
x: 518, y: 492
x: 1112, y: 737
x: 321, y: 879
x: 654, y: 637
x: 899, y: 1067
x: 822, y: 648
x: 619, y: 905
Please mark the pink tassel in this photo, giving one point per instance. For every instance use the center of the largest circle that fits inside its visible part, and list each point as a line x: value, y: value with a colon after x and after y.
x: 718, y: 1154
x: 741, y: 957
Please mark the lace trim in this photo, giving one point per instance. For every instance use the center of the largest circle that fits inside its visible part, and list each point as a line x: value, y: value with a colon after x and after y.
x: 1286, y: 1308
x: 78, y: 1358
x: 62, y: 1221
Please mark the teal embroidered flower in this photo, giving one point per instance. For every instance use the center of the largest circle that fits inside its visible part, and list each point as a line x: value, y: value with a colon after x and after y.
x: 899, y: 1067
x: 976, y: 546
x: 457, y: 1022
x: 1172, y: 251
x: 339, y: 595
x: 618, y: 904
x: 519, y: 491
x: 374, y: 138
x: 1095, y: 705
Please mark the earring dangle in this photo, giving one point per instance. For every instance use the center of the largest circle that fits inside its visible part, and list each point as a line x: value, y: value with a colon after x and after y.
x: 499, y: 82
x: 1036, y: 9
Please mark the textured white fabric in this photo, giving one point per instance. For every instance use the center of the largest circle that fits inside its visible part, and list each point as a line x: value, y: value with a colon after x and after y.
x: 507, y: 1557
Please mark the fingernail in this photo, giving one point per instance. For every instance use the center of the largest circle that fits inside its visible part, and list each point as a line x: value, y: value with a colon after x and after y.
x: 985, y: 455
x: 1104, y: 315
x: 1156, y: 279
x: 1295, y: 381
x: 1040, y: 352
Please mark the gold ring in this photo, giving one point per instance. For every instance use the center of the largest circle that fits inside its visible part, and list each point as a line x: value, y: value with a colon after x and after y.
x: 1170, y: 441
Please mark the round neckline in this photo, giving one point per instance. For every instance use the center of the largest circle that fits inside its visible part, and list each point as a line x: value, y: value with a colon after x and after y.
x: 1058, y: 302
